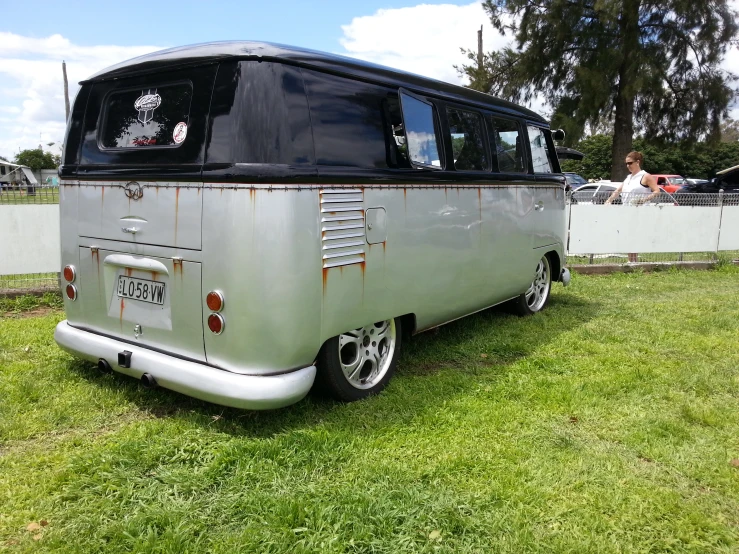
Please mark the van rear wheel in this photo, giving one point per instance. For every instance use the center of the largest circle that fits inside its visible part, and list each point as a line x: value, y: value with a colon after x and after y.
x: 360, y: 362
x: 536, y: 297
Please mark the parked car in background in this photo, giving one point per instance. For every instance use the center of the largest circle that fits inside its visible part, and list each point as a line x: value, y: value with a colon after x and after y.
x: 574, y: 180
x: 594, y: 193
x: 670, y: 183
x: 598, y: 193
x: 726, y: 180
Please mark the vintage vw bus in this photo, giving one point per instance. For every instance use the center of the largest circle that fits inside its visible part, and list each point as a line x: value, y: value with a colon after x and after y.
x: 242, y: 219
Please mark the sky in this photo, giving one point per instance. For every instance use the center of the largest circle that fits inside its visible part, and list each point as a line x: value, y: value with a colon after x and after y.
x: 36, y: 35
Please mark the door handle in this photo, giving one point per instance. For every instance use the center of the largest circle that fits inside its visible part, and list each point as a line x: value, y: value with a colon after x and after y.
x: 539, y: 206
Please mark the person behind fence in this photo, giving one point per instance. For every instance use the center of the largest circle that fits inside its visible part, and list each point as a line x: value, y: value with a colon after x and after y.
x: 638, y: 187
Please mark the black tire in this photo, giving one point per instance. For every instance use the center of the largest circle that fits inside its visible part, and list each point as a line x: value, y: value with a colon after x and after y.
x: 333, y: 358
x: 525, y: 304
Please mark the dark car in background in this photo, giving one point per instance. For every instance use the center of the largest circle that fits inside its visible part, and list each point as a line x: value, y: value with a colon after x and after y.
x: 726, y: 180
x: 574, y: 180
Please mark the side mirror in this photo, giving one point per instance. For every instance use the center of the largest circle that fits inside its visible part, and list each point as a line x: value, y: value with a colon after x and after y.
x: 558, y: 134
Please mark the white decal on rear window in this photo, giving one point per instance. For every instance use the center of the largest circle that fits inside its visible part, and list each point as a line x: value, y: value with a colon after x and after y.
x: 146, y: 104
x: 180, y: 132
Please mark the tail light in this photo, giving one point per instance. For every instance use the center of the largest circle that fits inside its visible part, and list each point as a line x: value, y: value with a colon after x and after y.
x: 70, y: 273
x: 71, y: 292
x: 216, y: 323
x: 214, y: 300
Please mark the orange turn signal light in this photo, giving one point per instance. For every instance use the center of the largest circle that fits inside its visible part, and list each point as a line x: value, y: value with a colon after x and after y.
x: 216, y: 323
x: 214, y: 300
x: 71, y: 292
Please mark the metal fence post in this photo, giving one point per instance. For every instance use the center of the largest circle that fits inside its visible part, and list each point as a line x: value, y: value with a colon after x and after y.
x: 720, y: 220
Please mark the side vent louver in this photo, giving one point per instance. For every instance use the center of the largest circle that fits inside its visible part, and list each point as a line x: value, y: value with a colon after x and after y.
x: 342, y: 227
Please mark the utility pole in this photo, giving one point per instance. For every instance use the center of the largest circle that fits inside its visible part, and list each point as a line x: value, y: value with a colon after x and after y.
x: 66, y: 89
x: 479, y: 49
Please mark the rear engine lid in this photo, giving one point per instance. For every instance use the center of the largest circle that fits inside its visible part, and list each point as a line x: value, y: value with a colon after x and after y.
x: 145, y: 212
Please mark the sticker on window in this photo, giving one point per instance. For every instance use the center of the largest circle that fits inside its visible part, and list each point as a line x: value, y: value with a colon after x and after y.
x: 180, y: 132
x: 149, y: 117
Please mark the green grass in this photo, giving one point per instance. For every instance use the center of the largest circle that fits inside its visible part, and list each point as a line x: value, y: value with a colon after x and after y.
x: 608, y: 423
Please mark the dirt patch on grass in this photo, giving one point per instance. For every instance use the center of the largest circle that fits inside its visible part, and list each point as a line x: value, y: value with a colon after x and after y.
x: 35, y: 312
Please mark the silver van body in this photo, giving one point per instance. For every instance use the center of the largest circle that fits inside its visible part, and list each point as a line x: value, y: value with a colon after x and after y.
x: 295, y: 262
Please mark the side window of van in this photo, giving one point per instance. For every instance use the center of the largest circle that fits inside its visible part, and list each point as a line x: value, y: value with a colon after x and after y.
x: 508, y: 148
x: 468, y: 145
x: 397, y: 146
x: 348, y: 123
x: 151, y: 116
x: 540, y: 155
x: 420, y: 131
x: 259, y: 114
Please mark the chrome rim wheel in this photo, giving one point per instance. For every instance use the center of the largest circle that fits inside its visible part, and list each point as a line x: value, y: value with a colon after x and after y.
x: 538, y: 291
x: 365, y: 354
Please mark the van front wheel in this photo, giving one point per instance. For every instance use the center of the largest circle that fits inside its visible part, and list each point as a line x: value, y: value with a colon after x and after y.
x: 360, y: 362
x: 536, y: 296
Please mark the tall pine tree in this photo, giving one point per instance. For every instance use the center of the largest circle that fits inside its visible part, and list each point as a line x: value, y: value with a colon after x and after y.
x: 653, y: 66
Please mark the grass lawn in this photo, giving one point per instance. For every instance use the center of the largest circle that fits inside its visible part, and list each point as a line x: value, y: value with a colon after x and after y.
x: 608, y: 423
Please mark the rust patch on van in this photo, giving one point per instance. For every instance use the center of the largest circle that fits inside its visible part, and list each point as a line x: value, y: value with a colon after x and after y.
x: 102, y: 196
x: 123, y: 307
x: 325, y: 279
x: 176, y: 211
x: 252, y: 193
x: 384, y: 246
x: 177, y: 265
x: 129, y: 271
x: 154, y: 276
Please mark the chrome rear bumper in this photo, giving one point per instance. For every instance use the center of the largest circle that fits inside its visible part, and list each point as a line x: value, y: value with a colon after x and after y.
x: 201, y: 381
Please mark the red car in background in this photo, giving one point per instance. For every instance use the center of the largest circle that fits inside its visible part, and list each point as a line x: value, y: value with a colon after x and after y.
x: 670, y: 183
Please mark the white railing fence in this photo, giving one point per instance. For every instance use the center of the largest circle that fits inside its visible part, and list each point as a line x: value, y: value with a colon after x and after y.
x: 688, y: 227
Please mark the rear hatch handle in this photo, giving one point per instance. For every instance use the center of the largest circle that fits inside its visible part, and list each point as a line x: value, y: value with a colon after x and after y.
x: 145, y: 264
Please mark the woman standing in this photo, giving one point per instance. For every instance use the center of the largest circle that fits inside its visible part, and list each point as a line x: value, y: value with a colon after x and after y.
x: 638, y: 187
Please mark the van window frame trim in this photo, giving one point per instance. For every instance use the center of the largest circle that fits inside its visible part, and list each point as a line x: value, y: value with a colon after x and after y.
x: 437, y: 130
x: 485, y: 133
x: 549, y: 142
x: 521, y: 123
x: 103, y: 118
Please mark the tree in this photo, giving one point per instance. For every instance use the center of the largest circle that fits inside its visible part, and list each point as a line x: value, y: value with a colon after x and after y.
x: 37, y: 159
x: 656, y: 63
x: 730, y: 130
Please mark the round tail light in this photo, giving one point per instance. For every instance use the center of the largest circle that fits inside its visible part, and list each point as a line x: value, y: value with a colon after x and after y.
x: 216, y: 323
x: 71, y: 291
x: 214, y: 300
x: 69, y: 274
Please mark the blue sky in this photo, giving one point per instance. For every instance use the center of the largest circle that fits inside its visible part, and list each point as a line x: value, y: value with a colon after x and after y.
x: 35, y: 36
x: 166, y: 22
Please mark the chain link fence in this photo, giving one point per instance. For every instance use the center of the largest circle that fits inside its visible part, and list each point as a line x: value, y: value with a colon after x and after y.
x: 13, y: 193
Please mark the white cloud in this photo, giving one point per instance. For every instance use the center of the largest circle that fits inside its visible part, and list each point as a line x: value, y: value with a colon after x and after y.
x: 424, y: 39
x: 31, y: 85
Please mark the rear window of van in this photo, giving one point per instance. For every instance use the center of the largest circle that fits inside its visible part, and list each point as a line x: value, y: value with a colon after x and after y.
x: 147, y: 117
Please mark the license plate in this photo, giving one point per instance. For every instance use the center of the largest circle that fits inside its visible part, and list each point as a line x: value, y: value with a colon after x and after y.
x: 141, y: 289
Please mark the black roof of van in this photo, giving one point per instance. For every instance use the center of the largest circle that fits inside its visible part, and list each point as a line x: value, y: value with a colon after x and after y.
x: 199, y: 54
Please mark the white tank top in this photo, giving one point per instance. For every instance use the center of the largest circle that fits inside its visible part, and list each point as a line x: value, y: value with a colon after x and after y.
x: 633, y: 188
x: 632, y: 184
